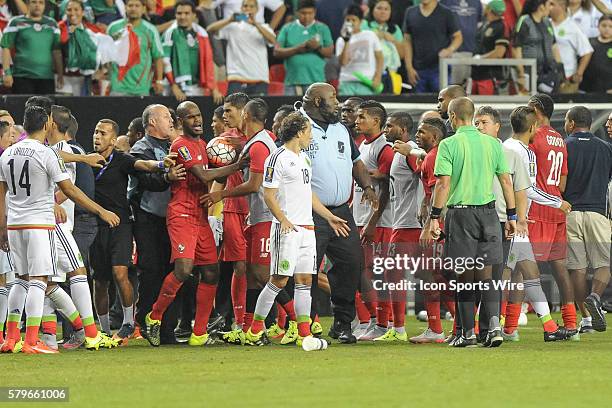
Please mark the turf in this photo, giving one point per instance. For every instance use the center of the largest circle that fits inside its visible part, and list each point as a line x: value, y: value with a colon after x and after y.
x: 530, y: 373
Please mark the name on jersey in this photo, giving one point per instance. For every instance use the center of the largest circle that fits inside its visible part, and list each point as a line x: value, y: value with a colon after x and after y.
x: 555, y: 141
x: 23, y: 151
x: 312, y: 150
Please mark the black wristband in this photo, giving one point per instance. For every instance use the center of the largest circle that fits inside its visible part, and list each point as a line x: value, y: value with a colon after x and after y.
x: 510, y: 212
x: 435, y: 213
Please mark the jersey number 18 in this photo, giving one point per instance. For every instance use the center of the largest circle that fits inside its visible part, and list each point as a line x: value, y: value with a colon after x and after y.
x: 24, y: 177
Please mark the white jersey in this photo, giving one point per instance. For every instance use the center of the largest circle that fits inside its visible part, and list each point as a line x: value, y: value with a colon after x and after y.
x: 290, y: 173
x: 529, y: 160
x: 405, y: 192
x: 370, y: 154
x: 67, y: 205
x: 30, y: 169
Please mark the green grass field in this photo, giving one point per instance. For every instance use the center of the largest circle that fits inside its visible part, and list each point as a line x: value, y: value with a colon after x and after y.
x: 530, y: 373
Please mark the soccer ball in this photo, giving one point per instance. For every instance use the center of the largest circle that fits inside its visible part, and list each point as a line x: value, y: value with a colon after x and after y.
x: 220, y: 153
x: 422, y: 316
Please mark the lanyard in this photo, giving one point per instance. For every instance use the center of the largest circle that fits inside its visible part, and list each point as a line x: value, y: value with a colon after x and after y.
x: 103, y: 169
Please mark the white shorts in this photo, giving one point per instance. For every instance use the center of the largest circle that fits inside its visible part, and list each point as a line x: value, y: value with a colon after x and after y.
x: 68, y: 255
x: 520, y: 250
x: 33, y: 252
x: 6, y: 266
x: 295, y: 252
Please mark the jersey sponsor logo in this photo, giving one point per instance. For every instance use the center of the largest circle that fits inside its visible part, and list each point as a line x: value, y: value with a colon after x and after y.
x: 340, y: 147
x: 184, y: 152
x: 269, y: 174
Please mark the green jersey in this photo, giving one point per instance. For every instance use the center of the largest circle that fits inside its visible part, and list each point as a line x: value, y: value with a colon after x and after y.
x: 472, y: 160
x: 34, y: 42
x: 100, y: 7
x: 138, y: 79
x: 309, y: 67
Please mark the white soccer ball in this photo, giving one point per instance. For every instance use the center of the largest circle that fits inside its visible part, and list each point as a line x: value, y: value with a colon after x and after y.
x: 422, y: 316
x: 522, y: 319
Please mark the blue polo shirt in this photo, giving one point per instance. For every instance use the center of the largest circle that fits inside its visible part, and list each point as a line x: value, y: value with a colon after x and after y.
x: 333, y: 153
x: 589, y: 167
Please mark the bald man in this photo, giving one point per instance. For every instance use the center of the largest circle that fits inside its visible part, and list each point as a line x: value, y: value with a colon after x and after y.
x: 465, y: 167
x: 445, y: 96
x: 123, y: 144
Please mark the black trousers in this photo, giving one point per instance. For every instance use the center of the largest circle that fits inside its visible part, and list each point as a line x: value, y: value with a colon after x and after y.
x: 346, y: 255
x: 29, y: 86
x: 153, y: 245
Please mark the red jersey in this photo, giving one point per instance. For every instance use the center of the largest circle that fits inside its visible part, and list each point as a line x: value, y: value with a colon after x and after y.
x: 239, y: 205
x: 185, y: 200
x: 427, y: 171
x: 359, y: 139
x: 551, y: 158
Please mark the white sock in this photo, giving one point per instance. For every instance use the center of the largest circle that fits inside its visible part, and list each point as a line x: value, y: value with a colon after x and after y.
x: 303, y: 302
x: 400, y: 330
x: 35, y: 303
x: 16, y: 300
x: 81, y: 295
x: 3, y: 306
x: 105, y: 323
x: 535, y: 295
x: 63, y: 303
x: 587, y: 321
x: 265, y: 300
x: 128, y: 314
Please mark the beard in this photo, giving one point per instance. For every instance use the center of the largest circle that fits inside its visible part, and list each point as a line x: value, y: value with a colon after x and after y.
x: 329, y: 115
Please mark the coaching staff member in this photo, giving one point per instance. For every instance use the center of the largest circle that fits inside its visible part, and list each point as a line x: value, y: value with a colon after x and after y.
x: 335, y: 161
x: 149, y: 194
x: 465, y: 167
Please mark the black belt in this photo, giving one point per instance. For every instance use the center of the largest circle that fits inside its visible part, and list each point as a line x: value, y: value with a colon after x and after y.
x: 331, y: 207
x: 490, y: 205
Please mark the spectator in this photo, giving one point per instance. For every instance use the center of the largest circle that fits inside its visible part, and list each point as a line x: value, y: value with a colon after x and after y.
x: 105, y: 11
x: 586, y: 14
x: 598, y: 76
x: 469, y: 14
x: 88, y: 11
x: 574, y: 47
x: 331, y: 14
x: 7, y: 123
x: 534, y: 38
x: 304, y: 44
x: 514, y: 8
x: 10, y: 9
x: 431, y: 32
x: 35, y: 39
x: 5, y: 116
x: 247, y: 55
x: 161, y: 18
x: 398, y: 10
x: 206, y: 16
x: 491, y: 42
x: 359, y: 53
x: 135, y: 79
x: 391, y: 38
x: 231, y: 7
x: 188, y: 58
x: 135, y: 130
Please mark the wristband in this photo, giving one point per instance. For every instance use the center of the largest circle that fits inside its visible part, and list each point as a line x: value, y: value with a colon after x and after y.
x: 435, y: 213
x: 513, y: 217
x: 160, y: 165
x: 510, y: 212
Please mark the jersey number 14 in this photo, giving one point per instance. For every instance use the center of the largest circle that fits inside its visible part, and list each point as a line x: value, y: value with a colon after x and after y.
x: 24, y: 177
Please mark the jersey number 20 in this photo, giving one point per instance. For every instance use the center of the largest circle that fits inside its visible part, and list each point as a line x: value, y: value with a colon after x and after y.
x: 554, y: 178
x: 24, y: 176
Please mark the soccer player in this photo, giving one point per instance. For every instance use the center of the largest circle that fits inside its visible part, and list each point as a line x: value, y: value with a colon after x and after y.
x: 523, y: 121
x: 288, y: 195
x: 6, y: 269
x: 218, y: 125
x: 261, y: 143
x: 376, y: 224
x: 405, y: 195
x: 548, y: 234
x: 193, y: 244
x: 111, y: 252
x: 28, y: 172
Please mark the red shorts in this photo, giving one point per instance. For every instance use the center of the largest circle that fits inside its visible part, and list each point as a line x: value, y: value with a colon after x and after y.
x: 258, y: 243
x: 483, y: 87
x: 406, y: 235
x: 192, y: 241
x: 234, y: 244
x: 548, y: 240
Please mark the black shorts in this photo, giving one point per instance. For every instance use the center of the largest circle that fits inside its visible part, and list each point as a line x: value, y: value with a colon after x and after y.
x: 112, y: 247
x: 473, y: 233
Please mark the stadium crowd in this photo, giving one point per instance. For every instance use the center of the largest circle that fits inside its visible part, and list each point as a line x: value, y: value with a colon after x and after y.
x: 307, y: 207
x: 276, y: 47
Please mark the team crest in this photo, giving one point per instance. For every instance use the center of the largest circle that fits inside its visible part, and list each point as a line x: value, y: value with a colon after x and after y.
x: 284, y: 265
x: 184, y: 152
x: 269, y: 174
x: 181, y: 248
x: 37, y: 27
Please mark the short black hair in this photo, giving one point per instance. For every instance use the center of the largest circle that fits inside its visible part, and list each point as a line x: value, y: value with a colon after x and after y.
x: 306, y: 4
x: 354, y: 99
x: 258, y: 109
x: 286, y: 109
x: 73, y: 128
x: 293, y: 124
x: 34, y: 118
x: 489, y: 111
x: 43, y: 101
x: 521, y: 118
x: 439, y: 126
x: 188, y: 3
x: 544, y: 103
x: 218, y: 113
x: 354, y: 10
x: 604, y: 18
x: 136, y: 124
x: 114, y: 125
x: 238, y: 99
x: 61, y: 117
x: 581, y: 116
x: 79, y: 2
x: 174, y: 117
x: 403, y: 119
x: 375, y: 109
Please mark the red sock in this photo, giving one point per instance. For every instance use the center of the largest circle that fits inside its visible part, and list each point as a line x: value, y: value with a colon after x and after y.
x: 476, y: 325
x: 513, y: 311
x: 568, y: 312
x: 257, y: 326
x: 238, y: 291
x: 450, y: 305
x: 49, y: 327
x: 399, y: 313
x: 369, y: 300
x: 290, y: 309
x: 12, y: 330
x: 248, y: 321
x: 77, y: 324
x: 304, y: 328
x: 31, y: 335
x: 433, y: 316
x: 502, y: 311
x: 362, y: 311
x: 383, y: 312
x: 282, y: 316
x: 454, y: 326
x: 205, y: 297
x: 166, y: 296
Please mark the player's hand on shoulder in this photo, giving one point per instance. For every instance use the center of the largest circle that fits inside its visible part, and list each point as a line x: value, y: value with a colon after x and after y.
x: 177, y: 173
x: 402, y: 148
x: 95, y: 160
x: 287, y: 226
x: 110, y: 218
x: 60, y: 214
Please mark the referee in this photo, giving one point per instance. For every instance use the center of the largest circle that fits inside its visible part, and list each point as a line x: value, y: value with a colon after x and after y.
x: 465, y: 167
x: 335, y: 161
